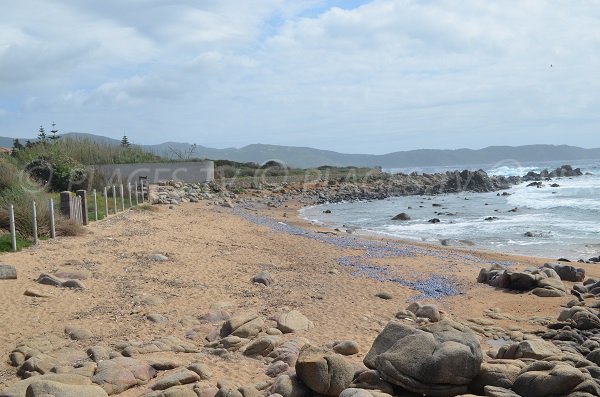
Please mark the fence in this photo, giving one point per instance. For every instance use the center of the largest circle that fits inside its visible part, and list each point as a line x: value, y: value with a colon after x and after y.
x: 77, y: 209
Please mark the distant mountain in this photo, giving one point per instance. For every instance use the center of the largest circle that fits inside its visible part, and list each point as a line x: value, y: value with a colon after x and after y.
x: 305, y: 157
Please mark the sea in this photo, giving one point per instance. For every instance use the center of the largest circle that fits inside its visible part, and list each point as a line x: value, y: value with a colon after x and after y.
x: 548, y: 222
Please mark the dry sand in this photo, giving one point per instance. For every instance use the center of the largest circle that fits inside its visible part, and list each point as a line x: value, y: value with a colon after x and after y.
x: 213, y: 255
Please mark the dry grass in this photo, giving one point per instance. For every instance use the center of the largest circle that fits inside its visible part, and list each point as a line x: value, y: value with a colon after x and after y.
x: 69, y: 228
x: 146, y: 207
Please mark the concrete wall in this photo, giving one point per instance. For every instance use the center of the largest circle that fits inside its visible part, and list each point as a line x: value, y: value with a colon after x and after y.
x: 193, y: 171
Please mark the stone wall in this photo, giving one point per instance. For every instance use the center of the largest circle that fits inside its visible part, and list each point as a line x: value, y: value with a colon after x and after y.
x: 192, y: 171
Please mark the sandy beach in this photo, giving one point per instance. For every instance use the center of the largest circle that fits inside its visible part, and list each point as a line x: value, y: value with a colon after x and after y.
x: 212, y: 253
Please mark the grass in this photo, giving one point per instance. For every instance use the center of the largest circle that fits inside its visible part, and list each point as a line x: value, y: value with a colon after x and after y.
x: 6, y: 243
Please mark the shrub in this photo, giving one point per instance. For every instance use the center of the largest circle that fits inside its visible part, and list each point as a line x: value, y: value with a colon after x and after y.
x: 69, y: 228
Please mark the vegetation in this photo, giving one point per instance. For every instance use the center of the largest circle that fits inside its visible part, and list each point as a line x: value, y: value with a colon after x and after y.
x: 6, y: 243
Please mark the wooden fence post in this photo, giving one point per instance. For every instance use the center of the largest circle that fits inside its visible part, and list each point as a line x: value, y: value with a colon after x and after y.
x: 137, y: 198
x: 66, y: 204
x: 114, y: 196
x: 52, y: 225
x: 105, y: 202
x: 129, y: 192
x: 13, y: 231
x: 34, y: 223
x: 95, y: 205
x: 84, y: 209
x: 122, y: 197
x: 142, y: 189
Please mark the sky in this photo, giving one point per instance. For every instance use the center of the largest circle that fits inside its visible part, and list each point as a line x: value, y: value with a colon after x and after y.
x: 351, y: 76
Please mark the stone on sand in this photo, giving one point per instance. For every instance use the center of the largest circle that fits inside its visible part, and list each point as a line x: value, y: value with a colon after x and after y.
x: 78, y: 333
x: 8, y: 272
x: 121, y: 373
x: 263, y: 278
x: 293, y: 321
x: 324, y: 371
x: 45, y: 388
x: 346, y: 347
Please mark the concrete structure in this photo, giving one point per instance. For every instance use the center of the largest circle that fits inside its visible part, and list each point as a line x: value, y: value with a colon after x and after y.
x: 191, y: 171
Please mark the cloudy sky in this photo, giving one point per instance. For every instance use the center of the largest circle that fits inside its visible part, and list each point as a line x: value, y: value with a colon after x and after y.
x: 353, y: 76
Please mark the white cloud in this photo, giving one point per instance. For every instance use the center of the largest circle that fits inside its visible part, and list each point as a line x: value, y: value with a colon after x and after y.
x: 382, y: 76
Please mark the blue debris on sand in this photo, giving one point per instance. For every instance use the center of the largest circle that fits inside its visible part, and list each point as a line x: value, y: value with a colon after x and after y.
x: 435, y: 286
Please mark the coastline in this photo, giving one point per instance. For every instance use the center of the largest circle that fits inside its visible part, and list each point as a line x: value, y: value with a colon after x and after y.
x: 212, y: 254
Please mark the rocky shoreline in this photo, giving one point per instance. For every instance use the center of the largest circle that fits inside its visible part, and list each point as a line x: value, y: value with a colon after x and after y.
x: 372, y: 188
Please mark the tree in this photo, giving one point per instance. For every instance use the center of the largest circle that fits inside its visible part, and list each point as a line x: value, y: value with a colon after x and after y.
x: 125, y: 141
x: 54, y: 137
x: 17, y: 145
x: 42, y: 137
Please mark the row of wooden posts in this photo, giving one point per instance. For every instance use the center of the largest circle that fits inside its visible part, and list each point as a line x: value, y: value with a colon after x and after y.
x: 76, y: 208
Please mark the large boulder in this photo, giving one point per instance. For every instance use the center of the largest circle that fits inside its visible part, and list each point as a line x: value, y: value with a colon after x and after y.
x: 121, y: 373
x: 537, y: 349
x: 45, y: 388
x: 438, y: 359
x: 567, y: 272
x: 542, y: 379
x: 500, y: 373
x: 325, y: 372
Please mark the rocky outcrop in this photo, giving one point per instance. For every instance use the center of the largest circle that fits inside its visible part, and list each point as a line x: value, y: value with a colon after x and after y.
x: 544, y: 282
x: 439, y: 359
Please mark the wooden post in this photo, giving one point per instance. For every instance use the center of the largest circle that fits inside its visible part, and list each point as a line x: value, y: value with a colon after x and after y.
x: 34, y: 223
x: 95, y: 205
x: 13, y: 231
x: 142, y: 189
x: 84, y: 210
x: 122, y: 198
x: 66, y: 202
x: 129, y: 192
x: 52, y: 225
x: 105, y: 202
x: 114, y: 195
x: 137, y: 198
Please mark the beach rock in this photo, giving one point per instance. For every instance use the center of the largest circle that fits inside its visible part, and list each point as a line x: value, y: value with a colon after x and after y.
x: 501, y: 373
x: 384, y: 295
x: 201, y: 369
x: 371, y: 380
x: 543, y: 378
x: 166, y: 344
x: 46, y: 388
x: 35, y: 293
x: 550, y: 287
x: 290, y: 386
x: 495, y: 391
x: 182, y: 376
x: 434, y: 220
x: 355, y: 392
x: 78, y: 333
x: 567, y: 272
x: 236, y: 321
x: 19, y: 389
x: 403, y: 216
x: 262, y: 346
x: 156, y: 257
x: 438, y: 359
x: 175, y: 391
x: 98, y: 353
x: 263, y: 278
x: 156, y: 318
x: 48, y: 279
x: 8, y: 272
x: 346, y: 347
x: 536, y: 349
x: 293, y: 321
x: 121, y: 373
x: 429, y: 312
x: 323, y: 371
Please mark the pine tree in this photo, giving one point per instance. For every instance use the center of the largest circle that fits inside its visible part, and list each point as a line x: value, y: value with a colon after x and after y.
x: 42, y: 137
x: 54, y: 137
x: 17, y: 145
x: 125, y: 141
